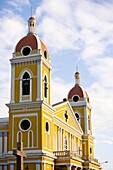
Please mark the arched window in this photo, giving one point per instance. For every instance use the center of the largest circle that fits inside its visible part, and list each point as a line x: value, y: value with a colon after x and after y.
x: 26, y: 84
x: 45, y: 87
x: 77, y: 117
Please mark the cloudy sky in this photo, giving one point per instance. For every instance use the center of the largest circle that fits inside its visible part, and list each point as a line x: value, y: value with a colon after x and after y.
x: 76, y: 33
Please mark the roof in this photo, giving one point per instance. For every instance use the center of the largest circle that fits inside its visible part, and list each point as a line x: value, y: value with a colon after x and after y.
x: 31, y: 40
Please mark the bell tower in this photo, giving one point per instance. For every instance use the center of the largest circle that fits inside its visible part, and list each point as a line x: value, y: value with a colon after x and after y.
x: 31, y: 69
x: 80, y: 103
x: 30, y: 91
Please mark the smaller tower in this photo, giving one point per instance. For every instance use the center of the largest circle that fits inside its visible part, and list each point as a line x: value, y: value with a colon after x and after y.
x: 77, y: 78
x: 32, y: 25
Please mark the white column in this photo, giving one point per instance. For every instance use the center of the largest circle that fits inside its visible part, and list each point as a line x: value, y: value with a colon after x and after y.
x: 39, y: 80
x: 12, y: 82
x: 53, y: 167
x: 5, y: 142
x: 5, y: 167
x: 50, y: 87
x: 0, y: 142
x: 85, y: 121
x: 37, y: 166
x: 11, y: 167
x: 68, y: 167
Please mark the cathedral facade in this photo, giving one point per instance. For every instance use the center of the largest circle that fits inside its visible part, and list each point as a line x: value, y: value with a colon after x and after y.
x: 55, y: 137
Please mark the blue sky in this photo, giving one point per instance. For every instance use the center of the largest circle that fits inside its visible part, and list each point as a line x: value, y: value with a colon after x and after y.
x: 76, y: 33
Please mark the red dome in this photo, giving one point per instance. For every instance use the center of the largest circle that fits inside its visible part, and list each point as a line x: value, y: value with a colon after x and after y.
x: 76, y: 90
x: 30, y: 40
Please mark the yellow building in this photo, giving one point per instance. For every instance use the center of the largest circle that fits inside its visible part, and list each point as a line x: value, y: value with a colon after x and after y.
x: 55, y: 137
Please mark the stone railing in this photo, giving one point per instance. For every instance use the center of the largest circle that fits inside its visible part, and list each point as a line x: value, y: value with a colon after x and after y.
x: 62, y: 153
x: 67, y: 153
x: 90, y: 158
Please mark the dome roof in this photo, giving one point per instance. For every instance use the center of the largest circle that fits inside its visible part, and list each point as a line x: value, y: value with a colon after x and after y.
x: 77, y: 91
x: 32, y: 18
x: 32, y: 41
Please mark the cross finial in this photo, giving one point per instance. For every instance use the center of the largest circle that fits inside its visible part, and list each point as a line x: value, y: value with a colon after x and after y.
x: 31, y: 11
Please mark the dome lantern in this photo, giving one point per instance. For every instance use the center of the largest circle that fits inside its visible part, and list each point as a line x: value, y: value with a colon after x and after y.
x: 77, y: 78
x: 32, y: 25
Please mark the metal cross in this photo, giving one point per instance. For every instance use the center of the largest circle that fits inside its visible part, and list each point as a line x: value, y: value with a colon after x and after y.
x: 20, y: 154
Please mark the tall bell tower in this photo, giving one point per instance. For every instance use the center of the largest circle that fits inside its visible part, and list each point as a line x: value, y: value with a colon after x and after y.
x: 31, y: 69
x: 30, y: 94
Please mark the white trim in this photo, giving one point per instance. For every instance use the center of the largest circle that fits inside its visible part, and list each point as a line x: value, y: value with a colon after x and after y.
x: 47, y: 117
x: 12, y: 82
x: 39, y: 80
x: 32, y: 139
x: 21, y: 122
x: 25, y: 115
x: 12, y: 167
x: 25, y: 47
x: 0, y: 143
x: 37, y: 166
x: 5, y: 142
x: 5, y: 167
x: 85, y: 121
x: 19, y: 132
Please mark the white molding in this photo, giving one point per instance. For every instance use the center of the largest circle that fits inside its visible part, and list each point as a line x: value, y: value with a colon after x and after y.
x: 48, y: 117
x: 0, y: 142
x: 12, y: 82
x: 25, y: 115
x: 39, y: 80
x: 5, y: 142
x: 37, y: 166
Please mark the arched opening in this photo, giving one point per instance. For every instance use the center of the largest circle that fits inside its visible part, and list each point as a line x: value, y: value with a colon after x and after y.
x: 45, y: 87
x: 26, y: 84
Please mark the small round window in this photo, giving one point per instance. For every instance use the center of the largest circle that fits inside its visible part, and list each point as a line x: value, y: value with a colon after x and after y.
x: 25, y: 124
x: 26, y: 51
x: 47, y: 126
x: 75, y: 98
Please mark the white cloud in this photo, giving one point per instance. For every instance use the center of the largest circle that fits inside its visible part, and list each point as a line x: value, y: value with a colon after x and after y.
x: 11, y: 30
x: 87, y: 26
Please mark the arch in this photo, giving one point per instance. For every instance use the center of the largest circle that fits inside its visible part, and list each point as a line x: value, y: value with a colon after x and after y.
x: 45, y: 86
x: 30, y: 138
x: 19, y: 136
x: 25, y: 86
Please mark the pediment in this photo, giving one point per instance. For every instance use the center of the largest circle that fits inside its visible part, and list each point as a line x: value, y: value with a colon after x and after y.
x: 64, y: 115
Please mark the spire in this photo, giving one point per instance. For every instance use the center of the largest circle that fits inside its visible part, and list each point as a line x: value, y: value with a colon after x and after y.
x: 77, y: 77
x: 32, y: 25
